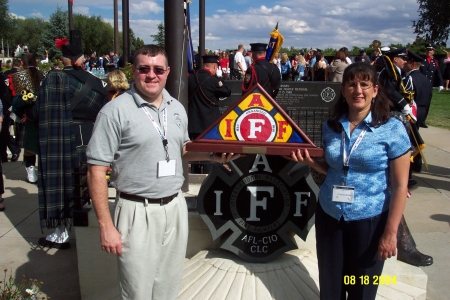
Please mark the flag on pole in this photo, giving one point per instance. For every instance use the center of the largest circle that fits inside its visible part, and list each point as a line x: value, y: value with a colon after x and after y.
x: 275, y: 43
x: 189, y: 47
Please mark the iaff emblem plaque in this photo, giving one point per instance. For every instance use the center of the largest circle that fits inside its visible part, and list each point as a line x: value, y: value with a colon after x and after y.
x: 257, y: 204
x: 255, y: 124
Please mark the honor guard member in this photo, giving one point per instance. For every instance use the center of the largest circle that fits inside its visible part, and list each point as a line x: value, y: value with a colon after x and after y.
x: 422, y: 95
x: 430, y: 68
x: 263, y: 72
x: 205, y: 92
x: 66, y: 109
x: 390, y: 78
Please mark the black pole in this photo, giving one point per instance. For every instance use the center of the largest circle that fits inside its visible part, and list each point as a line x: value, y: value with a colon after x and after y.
x: 126, y: 35
x: 176, y: 48
x: 70, y: 15
x: 116, y: 27
x: 201, y: 24
x: 175, y: 45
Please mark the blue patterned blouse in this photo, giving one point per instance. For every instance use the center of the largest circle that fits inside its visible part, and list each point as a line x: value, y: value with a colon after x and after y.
x: 368, y: 167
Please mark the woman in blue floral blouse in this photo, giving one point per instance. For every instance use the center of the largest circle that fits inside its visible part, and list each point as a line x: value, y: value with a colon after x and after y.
x: 363, y: 196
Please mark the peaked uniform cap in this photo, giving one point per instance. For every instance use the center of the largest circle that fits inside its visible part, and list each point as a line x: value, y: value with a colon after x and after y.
x: 398, y: 52
x: 210, y: 59
x: 414, y: 57
x: 257, y: 47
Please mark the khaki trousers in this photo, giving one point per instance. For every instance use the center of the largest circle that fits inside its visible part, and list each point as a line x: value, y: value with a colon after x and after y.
x: 154, y: 240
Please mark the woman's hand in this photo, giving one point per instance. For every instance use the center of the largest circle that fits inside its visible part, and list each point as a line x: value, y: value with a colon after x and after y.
x: 387, y: 247
x: 298, y: 157
x: 320, y: 166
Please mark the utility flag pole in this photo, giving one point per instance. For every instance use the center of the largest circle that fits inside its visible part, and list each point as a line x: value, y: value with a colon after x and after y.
x: 116, y: 27
x: 201, y: 31
x: 125, y: 32
x: 70, y: 3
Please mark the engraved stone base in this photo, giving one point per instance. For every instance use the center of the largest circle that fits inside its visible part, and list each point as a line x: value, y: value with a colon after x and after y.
x: 219, y: 274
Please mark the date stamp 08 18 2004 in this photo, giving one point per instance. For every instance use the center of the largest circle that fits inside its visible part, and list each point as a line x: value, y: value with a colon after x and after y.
x: 367, y: 280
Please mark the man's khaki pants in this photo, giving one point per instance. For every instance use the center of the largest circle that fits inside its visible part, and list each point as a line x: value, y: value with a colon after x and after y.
x: 154, y: 240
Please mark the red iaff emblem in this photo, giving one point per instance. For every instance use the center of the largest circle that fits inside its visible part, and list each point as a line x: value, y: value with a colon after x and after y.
x: 256, y: 125
x: 255, y: 119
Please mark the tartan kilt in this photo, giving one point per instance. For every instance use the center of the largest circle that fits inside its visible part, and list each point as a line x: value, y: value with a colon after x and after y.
x: 19, y: 133
x: 31, y: 139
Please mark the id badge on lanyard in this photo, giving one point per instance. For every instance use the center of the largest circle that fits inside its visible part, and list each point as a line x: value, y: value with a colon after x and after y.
x: 344, y: 193
x: 166, y: 167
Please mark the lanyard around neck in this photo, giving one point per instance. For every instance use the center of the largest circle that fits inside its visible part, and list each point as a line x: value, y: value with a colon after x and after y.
x: 162, y: 134
x: 346, y: 157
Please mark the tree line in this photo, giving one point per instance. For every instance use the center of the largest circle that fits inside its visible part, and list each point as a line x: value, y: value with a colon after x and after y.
x: 433, y: 26
x: 39, y: 35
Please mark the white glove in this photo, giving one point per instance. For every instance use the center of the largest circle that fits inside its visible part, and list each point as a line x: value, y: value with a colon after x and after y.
x: 440, y: 88
x: 407, y: 111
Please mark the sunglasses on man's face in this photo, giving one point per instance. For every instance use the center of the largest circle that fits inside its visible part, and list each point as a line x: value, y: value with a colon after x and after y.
x: 146, y: 70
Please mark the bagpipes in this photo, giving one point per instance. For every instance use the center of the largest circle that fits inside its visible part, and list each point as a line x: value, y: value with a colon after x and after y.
x: 408, y: 94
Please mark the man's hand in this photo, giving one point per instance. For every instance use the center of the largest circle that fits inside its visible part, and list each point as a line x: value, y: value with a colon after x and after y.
x: 111, y: 240
x: 224, y: 157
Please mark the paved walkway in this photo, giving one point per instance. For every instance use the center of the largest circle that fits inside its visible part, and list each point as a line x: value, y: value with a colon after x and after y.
x: 427, y: 213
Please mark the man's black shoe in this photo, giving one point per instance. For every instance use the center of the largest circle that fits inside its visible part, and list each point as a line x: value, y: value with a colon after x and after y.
x: 411, y: 183
x: 46, y: 243
x: 415, y: 258
x: 423, y: 125
x: 15, y: 156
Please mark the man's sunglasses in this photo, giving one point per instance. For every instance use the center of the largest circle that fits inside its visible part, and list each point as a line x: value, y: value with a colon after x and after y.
x: 146, y: 70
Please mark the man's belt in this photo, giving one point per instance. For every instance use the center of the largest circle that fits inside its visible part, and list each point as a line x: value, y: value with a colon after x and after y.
x: 161, y: 201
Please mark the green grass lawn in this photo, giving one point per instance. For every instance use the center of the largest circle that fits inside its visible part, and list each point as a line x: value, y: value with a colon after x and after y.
x: 439, y: 114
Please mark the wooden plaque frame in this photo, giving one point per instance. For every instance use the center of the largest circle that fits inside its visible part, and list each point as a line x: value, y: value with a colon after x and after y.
x: 202, y: 144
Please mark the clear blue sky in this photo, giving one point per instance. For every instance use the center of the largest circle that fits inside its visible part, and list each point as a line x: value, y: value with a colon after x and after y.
x: 327, y: 23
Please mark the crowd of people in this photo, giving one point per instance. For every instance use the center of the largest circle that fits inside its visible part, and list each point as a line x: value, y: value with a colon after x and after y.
x: 108, y: 62
x: 69, y: 118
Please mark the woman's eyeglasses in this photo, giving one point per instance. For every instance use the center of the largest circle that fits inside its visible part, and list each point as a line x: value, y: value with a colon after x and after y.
x: 146, y: 70
x: 354, y: 85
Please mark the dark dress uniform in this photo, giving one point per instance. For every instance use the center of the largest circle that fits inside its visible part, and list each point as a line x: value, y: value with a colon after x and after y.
x: 406, y: 246
x: 432, y: 71
x: 422, y: 94
x: 204, y: 93
x: 263, y: 72
x: 203, y: 108
x: 397, y: 100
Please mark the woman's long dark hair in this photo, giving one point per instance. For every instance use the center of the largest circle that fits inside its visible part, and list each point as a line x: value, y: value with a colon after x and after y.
x: 29, y: 61
x: 380, y: 105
